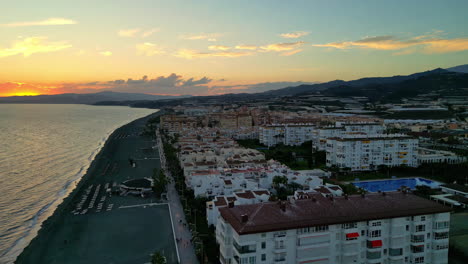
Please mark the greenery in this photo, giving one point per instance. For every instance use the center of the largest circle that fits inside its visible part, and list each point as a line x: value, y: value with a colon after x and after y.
x: 158, y: 258
x: 194, y: 208
x: 295, y: 157
x: 160, y: 182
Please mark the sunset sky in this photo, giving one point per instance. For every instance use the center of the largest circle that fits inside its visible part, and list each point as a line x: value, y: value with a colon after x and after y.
x: 219, y: 46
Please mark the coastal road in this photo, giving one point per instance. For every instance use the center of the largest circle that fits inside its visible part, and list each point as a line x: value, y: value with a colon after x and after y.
x: 181, y: 228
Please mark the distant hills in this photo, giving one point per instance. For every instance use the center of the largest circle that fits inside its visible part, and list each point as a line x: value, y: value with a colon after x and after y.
x: 450, y: 81
x: 460, y: 68
x: 90, y: 98
x: 304, y: 89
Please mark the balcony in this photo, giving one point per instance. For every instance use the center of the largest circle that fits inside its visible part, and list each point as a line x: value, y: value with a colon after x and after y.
x: 244, y: 249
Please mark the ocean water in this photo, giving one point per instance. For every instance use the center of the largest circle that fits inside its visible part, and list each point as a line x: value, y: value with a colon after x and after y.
x: 44, y: 151
x: 394, y: 184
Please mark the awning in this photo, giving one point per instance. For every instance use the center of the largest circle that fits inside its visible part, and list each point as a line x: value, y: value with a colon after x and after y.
x: 376, y: 243
x: 352, y: 235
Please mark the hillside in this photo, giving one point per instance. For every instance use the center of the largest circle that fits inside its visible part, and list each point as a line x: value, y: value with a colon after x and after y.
x: 90, y: 98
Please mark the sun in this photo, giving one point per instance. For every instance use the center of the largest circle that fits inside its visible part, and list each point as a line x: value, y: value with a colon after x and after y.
x: 23, y: 94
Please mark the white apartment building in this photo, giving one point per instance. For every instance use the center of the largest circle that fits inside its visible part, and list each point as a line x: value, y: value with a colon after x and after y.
x: 239, y: 198
x: 426, y: 155
x: 287, y: 134
x: 320, y: 135
x: 392, y: 228
x: 363, y: 153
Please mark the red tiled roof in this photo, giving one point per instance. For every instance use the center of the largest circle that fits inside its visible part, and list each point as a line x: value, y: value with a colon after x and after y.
x: 261, y: 192
x: 220, y: 201
x: 246, y: 195
x: 268, y: 217
x: 322, y: 189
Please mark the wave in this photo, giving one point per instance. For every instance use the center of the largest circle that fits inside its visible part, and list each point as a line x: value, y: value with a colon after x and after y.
x: 33, y: 225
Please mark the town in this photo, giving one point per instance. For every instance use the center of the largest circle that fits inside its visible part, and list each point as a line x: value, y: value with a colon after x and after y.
x: 301, y: 186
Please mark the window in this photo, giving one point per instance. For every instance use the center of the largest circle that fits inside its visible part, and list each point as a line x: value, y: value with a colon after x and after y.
x: 420, y: 228
x: 263, y: 234
x: 263, y: 257
x: 395, y: 251
x: 407, y: 227
x: 417, y: 239
x: 349, y: 225
x: 252, y: 260
x: 441, y: 235
x: 375, y: 233
x: 441, y: 225
x: 417, y: 249
x: 263, y: 244
x: 378, y: 223
x: 419, y: 260
x: 443, y: 246
x: 423, y: 218
x: 321, y: 228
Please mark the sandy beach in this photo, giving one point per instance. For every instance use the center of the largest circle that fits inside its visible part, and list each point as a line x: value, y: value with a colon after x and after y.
x: 108, y: 229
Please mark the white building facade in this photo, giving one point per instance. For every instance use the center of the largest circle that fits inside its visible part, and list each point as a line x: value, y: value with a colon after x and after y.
x: 364, y: 153
x: 287, y: 134
x: 401, y: 239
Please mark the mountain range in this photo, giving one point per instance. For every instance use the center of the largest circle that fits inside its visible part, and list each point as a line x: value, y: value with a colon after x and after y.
x: 450, y: 81
x: 90, y: 98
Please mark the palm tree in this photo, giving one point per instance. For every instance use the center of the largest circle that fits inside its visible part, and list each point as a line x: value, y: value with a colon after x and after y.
x: 158, y: 258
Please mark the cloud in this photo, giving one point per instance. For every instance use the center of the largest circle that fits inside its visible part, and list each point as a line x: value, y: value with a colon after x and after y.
x: 106, y: 53
x: 294, y: 35
x: 218, y: 47
x: 31, y: 45
x: 149, y: 49
x: 287, y: 49
x: 48, y: 22
x: 209, y: 37
x: 246, y: 47
x: 282, y: 46
x: 149, y: 32
x: 172, y: 84
x: 128, y: 33
x: 193, y: 54
x: 290, y: 53
x: 430, y: 43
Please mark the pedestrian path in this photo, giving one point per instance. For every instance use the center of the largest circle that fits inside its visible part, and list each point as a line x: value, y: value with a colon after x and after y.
x: 181, y: 228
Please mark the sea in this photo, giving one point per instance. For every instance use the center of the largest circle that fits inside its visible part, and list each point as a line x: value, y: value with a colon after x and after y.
x: 44, y: 151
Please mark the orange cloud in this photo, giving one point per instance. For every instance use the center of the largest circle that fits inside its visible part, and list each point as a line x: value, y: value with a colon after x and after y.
x: 423, y: 43
x: 246, y: 47
x: 193, y: 54
x: 29, y: 46
x: 218, y: 47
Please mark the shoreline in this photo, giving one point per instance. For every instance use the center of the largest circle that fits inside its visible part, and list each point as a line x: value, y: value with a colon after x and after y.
x: 56, y: 217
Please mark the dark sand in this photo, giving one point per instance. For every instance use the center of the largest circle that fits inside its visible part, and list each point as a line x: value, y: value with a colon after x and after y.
x: 121, y: 235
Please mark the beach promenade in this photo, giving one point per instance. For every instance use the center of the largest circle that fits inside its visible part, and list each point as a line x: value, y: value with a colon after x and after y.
x: 182, y: 232
x: 93, y: 225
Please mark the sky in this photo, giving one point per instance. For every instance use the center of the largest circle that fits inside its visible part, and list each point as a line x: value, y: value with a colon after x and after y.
x: 221, y: 46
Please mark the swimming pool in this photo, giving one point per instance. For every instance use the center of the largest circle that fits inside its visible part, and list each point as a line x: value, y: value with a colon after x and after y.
x: 394, y: 184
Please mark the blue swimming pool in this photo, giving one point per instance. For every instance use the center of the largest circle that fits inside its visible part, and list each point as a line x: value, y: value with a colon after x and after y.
x: 394, y: 184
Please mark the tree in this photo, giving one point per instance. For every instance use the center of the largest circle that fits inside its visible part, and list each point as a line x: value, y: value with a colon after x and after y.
x: 158, y: 258
x: 160, y: 182
x: 279, y: 180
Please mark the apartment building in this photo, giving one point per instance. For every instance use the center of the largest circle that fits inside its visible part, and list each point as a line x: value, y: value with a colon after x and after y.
x: 363, y: 153
x: 287, y: 134
x: 320, y: 135
x: 393, y: 228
